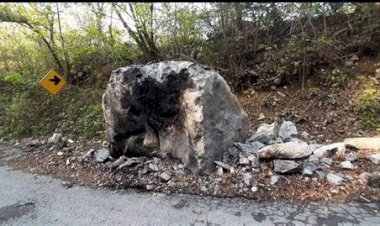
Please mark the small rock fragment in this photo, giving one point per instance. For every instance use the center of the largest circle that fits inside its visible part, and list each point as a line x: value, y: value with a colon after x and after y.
x: 351, y: 157
x: 309, y: 168
x: 265, y: 133
x: 67, y: 149
x: 67, y: 184
x: 56, y: 138
x: 321, y: 174
x: 255, y: 163
x: 249, y: 148
x: 165, y: 176
x: 243, y: 160
x: 261, y: 116
x: 153, y: 167
x: 102, y: 155
x: 346, y: 165
x: 274, y: 179
x: 330, y: 150
x: 254, y: 189
x: 223, y: 165
x: 149, y: 187
x: 313, y: 159
x: 287, y: 130
x: 285, y: 166
x: 375, y: 158
x: 327, y: 161
x: 247, y: 178
x: 219, y: 171
x: 59, y: 153
x: 334, y: 179
x: 204, y: 189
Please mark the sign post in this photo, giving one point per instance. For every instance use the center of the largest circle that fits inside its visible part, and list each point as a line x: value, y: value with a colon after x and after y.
x: 53, y: 82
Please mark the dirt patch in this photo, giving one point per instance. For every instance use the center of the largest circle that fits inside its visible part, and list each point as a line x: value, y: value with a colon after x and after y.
x: 328, y: 114
x: 294, y: 187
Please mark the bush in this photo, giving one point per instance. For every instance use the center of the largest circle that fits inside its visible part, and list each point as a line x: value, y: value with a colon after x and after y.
x: 14, y: 78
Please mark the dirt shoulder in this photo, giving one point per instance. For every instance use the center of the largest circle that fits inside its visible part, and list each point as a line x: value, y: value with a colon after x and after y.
x: 72, y: 167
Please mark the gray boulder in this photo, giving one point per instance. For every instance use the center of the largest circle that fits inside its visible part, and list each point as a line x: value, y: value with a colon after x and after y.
x: 287, y: 131
x: 289, y: 150
x: 178, y: 109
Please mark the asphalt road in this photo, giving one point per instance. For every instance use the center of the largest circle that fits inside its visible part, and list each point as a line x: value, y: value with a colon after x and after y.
x: 27, y: 199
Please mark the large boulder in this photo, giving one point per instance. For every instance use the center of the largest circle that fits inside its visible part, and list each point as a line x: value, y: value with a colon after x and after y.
x: 175, y: 109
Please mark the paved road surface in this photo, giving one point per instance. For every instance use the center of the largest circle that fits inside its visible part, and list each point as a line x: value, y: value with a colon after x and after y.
x: 27, y: 199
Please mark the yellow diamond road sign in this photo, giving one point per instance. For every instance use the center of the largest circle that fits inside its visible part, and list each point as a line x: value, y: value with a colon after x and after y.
x: 53, y: 82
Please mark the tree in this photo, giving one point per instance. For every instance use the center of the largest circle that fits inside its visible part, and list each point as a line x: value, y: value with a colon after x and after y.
x: 142, y: 16
x: 41, y: 20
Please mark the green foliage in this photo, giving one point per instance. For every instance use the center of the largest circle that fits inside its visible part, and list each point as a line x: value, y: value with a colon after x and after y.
x: 35, y: 112
x: 369, y: 107
x: 287, y: 112
x: 337, y: 78
x: 14, y: 78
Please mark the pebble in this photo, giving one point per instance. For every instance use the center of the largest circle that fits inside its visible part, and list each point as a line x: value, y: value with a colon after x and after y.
x: 59, y: 153
x: 255, y: 163
x: 375, y: 158
x: 346, y: 165
x: 274, y: 179
x: 334, y: 179
x: 153, y: 167
x: 247, y: 178
x: 149, y: 187
x: 223, y: 165
x: 327, y: 161
x: 243, y: 160
x: 102, y: 155
x: 219, y: 171
x: 165, y: 176
x: 351, y: 157
x: 254, y: 189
